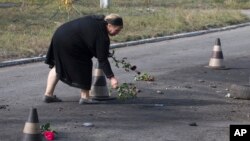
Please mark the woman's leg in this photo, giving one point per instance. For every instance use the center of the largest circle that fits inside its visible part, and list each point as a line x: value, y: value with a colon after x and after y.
x: 51, y: 82
x: 85, y: 98
x: 85, y: 94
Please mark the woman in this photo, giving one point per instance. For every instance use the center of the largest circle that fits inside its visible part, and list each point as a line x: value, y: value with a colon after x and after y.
x: 72, y: 48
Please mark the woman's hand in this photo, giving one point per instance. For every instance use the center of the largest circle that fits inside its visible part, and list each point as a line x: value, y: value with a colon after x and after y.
x: 113, y: 82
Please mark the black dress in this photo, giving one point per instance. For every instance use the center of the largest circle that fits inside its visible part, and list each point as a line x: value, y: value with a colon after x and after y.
x: 73, y: 46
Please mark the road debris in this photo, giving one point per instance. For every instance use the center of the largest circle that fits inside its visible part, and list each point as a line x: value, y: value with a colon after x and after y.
x: 193, y: 124
x: 228, y: 95
x: 201, y: 81
x: 212, y: 86
x: 159, y: 92
x: 88, y: 124
x: 188, y: 87
x: 4, y: 106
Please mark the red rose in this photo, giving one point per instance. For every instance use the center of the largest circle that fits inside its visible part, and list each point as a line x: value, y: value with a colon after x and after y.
x: 49, y: 135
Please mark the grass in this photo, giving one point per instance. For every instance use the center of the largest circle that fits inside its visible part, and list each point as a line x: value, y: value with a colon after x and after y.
x: 27, y: 27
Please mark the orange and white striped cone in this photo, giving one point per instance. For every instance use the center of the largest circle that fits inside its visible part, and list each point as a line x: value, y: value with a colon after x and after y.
x: 99, y: 89
x: 31, y: 129
x: 216, y: 61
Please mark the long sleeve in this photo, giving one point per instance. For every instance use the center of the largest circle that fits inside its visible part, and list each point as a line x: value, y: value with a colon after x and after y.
x: 102, y: 52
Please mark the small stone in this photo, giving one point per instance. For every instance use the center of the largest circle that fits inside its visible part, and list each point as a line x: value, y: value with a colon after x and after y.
x: 60, y: 109
x: 228, y: 95
x: 138, y: 90
x: 159, y: 92
x: 158, y: 105
x: 176, y: 87
x: 193, y: 124
x: 201, y: 81
x: 213, y: 86
x: 188, y: 87
x: 88, y: 124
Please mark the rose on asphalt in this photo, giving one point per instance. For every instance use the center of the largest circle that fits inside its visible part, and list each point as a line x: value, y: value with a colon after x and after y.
x: 49, y: 135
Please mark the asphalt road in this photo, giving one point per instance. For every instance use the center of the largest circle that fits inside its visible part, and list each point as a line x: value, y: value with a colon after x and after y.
x: 192, y: 94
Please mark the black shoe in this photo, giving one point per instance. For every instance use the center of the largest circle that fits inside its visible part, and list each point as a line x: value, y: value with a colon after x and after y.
x: 88, y: 101
x: 50, y: 99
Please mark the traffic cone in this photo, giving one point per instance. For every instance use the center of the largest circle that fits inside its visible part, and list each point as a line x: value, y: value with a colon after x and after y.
x: 216, y: 61
x: 31, y: 129
x: 99, y: 89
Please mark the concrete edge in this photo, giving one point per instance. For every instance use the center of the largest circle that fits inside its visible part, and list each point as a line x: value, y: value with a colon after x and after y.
x: 21, y: 61
x: 132, y: 43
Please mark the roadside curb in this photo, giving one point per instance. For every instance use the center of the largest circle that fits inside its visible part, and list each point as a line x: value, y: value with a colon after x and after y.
x: 131, y: 43
x: 181, y: 35
x: 21, y: 61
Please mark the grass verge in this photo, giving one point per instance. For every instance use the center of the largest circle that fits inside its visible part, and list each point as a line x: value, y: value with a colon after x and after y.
x: 26, y: 27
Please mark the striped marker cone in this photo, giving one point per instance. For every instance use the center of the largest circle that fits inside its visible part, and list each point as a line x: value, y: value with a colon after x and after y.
x: 31, y: 129
x: 99, y: 89
x: 216, y: 61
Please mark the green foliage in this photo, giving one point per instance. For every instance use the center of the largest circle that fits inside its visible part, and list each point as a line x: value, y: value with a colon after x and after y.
x: 127, y: 91
x: 126, y: 66
x: 26, y: 28
x: 238, y: 4
x: 144, y: 77
x: 124, y: 63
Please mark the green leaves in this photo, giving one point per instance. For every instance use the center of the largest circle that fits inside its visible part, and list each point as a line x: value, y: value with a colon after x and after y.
x: 129, y: 90
x: 129, y: 67
x: 126, y: 91
x: 122, y: 63
x: 46, y: 127
x: 144, y: 77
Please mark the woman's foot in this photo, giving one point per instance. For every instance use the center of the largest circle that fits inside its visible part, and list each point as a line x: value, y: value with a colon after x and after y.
x: 88, y: 101
x: 50, y: 99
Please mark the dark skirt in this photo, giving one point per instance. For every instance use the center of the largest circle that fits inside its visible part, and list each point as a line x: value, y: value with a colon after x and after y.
x: 73, y: 64
x: 72, y: 48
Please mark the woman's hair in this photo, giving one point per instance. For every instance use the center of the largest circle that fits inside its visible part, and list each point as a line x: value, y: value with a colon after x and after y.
x: 114, y: 19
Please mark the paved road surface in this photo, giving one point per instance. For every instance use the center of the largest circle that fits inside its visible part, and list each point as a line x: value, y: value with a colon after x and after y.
x: 191, y: 94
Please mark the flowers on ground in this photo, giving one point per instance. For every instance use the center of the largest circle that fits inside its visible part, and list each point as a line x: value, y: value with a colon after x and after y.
x: 129, y: 90
x: 49, y: 135
x: 47, y: 132
x: 144, y: 77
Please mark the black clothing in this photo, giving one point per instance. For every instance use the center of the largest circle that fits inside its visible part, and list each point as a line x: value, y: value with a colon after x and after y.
x: 73, y: 46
